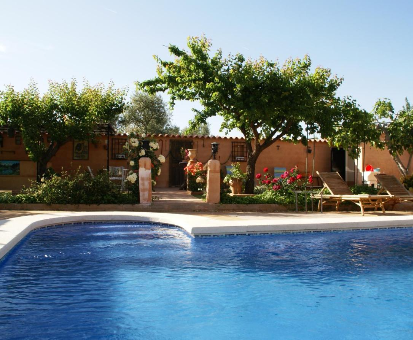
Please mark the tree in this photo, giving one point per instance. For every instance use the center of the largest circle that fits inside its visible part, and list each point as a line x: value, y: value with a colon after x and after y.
x: 64, y: 112
x: 397, y: 129
x: 147, y: 114
x: 200, y: 130
x: 266, y: 101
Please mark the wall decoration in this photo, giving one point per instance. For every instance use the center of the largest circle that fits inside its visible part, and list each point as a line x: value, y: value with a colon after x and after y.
x: 80, y: 149
x: 10, y: 168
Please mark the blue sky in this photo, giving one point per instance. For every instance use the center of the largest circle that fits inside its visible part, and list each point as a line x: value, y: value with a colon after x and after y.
x: 366, y: 42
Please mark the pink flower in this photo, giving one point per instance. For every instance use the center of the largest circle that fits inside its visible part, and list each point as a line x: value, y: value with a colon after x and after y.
x: 265, y: 170
x: 275, y: 180
x: 267, y: 181
x: 299, y: 176
x: 258, y: 176
x: 292, y: 170
x: 284, y: 175
x: 276, y: 187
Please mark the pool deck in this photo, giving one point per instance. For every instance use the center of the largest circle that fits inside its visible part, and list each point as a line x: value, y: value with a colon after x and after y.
x: 16, y: 224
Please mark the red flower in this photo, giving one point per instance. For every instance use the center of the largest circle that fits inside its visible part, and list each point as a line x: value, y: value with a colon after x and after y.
x: 292, y: 170
x: 275, y: 180
x: 299, y: 176
x: 284, y: 175
x: 265, y: 169
x: 258, y: 176
x: 267, y: 181
x: 289, y: 181
x: 276, y: 187
x: 310, y: 179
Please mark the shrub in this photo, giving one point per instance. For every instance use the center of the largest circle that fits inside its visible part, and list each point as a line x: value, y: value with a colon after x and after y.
x: 363, y: 189
x: 80, y: 188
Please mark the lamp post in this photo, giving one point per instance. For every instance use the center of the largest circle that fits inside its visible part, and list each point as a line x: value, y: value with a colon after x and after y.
x: 214, y: 147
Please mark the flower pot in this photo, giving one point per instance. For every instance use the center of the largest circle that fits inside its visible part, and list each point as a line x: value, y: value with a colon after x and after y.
x: 192, y: 154
x: 236, y: 186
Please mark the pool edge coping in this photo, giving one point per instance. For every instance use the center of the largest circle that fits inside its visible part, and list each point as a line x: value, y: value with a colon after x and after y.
x: 13, y: 230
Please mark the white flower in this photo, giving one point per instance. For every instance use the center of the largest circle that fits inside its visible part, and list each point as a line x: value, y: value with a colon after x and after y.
x: 159, y: 172
x: 154, y: 145
x: 132, y: 178
x: 143, y: 135
x: 134, y: 142
x: 161, y: 158
x: 42, y: 179
x: 142, y: 153
x: 132, y: 163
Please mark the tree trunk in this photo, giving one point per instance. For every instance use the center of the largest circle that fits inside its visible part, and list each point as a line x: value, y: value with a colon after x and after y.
x: 42, y: 163
x: 400, y: 166
x: 250, y: 182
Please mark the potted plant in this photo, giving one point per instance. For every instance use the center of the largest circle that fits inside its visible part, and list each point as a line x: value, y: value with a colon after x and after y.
x: 235, y: 179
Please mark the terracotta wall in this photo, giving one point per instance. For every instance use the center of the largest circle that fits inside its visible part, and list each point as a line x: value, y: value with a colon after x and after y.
x: 280, y: 154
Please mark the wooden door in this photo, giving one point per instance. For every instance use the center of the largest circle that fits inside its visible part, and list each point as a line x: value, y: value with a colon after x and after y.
x: 176, y: 162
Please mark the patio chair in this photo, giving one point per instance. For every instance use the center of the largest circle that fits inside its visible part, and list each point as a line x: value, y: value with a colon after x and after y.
x: 90, y: 172
x: 394, y: 188
x: 117, y: 173
x: 340, y: 192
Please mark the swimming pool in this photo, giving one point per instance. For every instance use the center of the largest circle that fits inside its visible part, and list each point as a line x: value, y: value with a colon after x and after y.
x: 143, y: 281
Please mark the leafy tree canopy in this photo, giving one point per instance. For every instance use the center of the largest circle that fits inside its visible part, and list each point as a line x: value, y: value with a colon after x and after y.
x: 64, y: 112
x: 263, y: 99
x: 202, y: 129
x: 397, y: 128
x: 147, y: 114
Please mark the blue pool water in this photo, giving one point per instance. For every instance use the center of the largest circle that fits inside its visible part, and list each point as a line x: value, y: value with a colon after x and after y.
x: 156, y: 282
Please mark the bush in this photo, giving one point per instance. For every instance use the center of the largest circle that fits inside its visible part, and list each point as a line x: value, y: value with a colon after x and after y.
x: 363, y: 189
x: 80, y: 188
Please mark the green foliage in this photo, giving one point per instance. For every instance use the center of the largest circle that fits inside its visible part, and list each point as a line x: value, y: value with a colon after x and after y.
x: 146, y: 114
x: 64, y: 112
x: 267, y: 197
x: 363, y: 189
x: 202, y: 129
x: 408, y: 181
x: 236, y: 173
x: 80, y: 188
x: 263, y: 99
x: 397, y: 129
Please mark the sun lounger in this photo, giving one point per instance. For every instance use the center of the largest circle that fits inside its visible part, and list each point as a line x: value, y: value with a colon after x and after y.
x: 394, y: 188
x: 340, y: 192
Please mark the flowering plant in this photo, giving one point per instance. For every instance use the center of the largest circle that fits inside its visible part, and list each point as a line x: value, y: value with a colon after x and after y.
x: 286, y: 184
x: 184, y: 153
x: 134, y: 149
x: 196, y: 176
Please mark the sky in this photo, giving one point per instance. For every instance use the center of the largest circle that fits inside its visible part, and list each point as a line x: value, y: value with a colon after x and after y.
x: 368, y: 43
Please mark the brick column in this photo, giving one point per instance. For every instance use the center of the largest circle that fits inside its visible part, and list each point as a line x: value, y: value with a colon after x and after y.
x: 145, y: 180
x: 213, y: 188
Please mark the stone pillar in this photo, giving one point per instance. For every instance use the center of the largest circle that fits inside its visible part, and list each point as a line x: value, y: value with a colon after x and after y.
x: 213, y: 182
x: 145, y: 180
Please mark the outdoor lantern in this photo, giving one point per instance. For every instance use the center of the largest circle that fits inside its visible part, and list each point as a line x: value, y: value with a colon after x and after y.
x: 145, y: 144
x: 214, y: 146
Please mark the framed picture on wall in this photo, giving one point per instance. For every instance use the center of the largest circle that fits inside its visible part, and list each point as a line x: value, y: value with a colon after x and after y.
x: 80, y: 149
x: 10, y: 168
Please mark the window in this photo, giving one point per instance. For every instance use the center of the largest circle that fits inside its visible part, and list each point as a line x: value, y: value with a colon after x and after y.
x: 118, y: 152
x: 239, y: 152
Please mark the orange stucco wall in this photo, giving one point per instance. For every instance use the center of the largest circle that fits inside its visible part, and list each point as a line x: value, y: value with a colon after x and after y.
x: 280, y: 154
